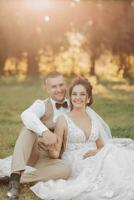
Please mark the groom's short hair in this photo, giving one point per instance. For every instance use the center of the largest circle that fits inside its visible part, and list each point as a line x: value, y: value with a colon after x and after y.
x: 52, y: 74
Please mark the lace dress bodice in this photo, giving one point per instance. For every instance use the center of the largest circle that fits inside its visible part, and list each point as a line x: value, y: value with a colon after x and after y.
x: 76, y: 138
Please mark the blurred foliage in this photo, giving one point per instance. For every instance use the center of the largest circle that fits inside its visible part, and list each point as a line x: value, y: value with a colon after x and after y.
x: 73, y: 59
x: 74, y: 37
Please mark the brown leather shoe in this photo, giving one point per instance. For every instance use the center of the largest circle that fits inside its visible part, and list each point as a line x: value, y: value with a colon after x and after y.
x: 13, y: 191
x: 4, y: 180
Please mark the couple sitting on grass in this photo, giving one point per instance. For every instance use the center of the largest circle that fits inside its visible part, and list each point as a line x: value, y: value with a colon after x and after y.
x: 69, y: 148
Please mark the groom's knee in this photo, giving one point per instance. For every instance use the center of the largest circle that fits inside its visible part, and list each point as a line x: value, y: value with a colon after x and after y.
x: 65, y: 169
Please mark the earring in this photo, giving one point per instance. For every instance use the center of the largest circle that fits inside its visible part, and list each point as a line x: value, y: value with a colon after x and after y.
x: 88, y: 100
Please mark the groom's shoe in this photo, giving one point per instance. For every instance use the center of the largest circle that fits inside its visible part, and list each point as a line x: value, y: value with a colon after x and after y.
x: 4, y: 179
x: 14, y: 187
x: 13, y: 192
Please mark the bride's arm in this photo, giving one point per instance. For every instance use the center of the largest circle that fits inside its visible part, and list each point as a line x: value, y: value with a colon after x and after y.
x: 60, y: 130
x: 99, y: 145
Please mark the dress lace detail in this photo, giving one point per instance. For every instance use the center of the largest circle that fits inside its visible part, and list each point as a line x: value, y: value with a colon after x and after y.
x: 76, y: 137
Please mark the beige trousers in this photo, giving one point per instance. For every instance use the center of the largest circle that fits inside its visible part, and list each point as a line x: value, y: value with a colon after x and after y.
x: 26, y: 152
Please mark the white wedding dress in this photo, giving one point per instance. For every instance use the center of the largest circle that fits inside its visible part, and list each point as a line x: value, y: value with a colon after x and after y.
x: 109, y: 175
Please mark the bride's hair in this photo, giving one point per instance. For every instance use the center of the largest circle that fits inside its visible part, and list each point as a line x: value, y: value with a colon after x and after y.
x: 86, y: 84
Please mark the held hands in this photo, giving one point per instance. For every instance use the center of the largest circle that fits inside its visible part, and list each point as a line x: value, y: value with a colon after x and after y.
x: 47, y: 140
x: 90, y: 153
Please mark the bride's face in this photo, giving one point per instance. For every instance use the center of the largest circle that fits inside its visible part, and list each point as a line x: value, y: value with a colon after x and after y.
x: 79, y: 96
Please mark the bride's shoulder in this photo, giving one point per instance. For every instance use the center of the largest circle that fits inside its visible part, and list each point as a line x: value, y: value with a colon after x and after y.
x: 61, y: 119
x: 61, y: 123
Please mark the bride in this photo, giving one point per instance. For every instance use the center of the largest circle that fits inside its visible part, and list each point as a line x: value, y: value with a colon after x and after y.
x: 102, y: 168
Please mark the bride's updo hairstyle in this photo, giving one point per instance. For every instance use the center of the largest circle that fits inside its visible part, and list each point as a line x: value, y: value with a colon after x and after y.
x: 86, y: 84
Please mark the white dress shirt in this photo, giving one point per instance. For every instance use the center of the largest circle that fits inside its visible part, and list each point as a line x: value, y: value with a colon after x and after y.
x: 31, y: 116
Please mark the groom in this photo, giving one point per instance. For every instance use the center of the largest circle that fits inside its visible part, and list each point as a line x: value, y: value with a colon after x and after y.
x: 39, y: 121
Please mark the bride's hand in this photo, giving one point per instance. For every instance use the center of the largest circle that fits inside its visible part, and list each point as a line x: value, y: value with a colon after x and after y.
x: 90, y: 153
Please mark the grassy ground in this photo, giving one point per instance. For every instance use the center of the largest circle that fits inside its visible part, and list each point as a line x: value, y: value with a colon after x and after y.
x: 114, y: 102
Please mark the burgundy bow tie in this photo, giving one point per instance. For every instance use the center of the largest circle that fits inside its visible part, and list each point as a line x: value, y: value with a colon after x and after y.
x: 59, y: 105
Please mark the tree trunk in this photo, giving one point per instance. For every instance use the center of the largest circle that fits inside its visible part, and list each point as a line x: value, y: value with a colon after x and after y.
x: 124, y: 66
x: 92, y: 68
x: 32, y: 65
x: 2, y: 63
x: 126, y: 71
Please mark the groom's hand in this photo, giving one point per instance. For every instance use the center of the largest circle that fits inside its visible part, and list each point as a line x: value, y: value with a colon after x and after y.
x: 47, y: 140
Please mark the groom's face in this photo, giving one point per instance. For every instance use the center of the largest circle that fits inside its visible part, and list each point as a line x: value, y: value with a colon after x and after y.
x: 56, y: 88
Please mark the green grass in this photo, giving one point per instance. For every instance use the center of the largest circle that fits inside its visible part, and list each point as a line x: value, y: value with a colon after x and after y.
x: 114, y: 102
